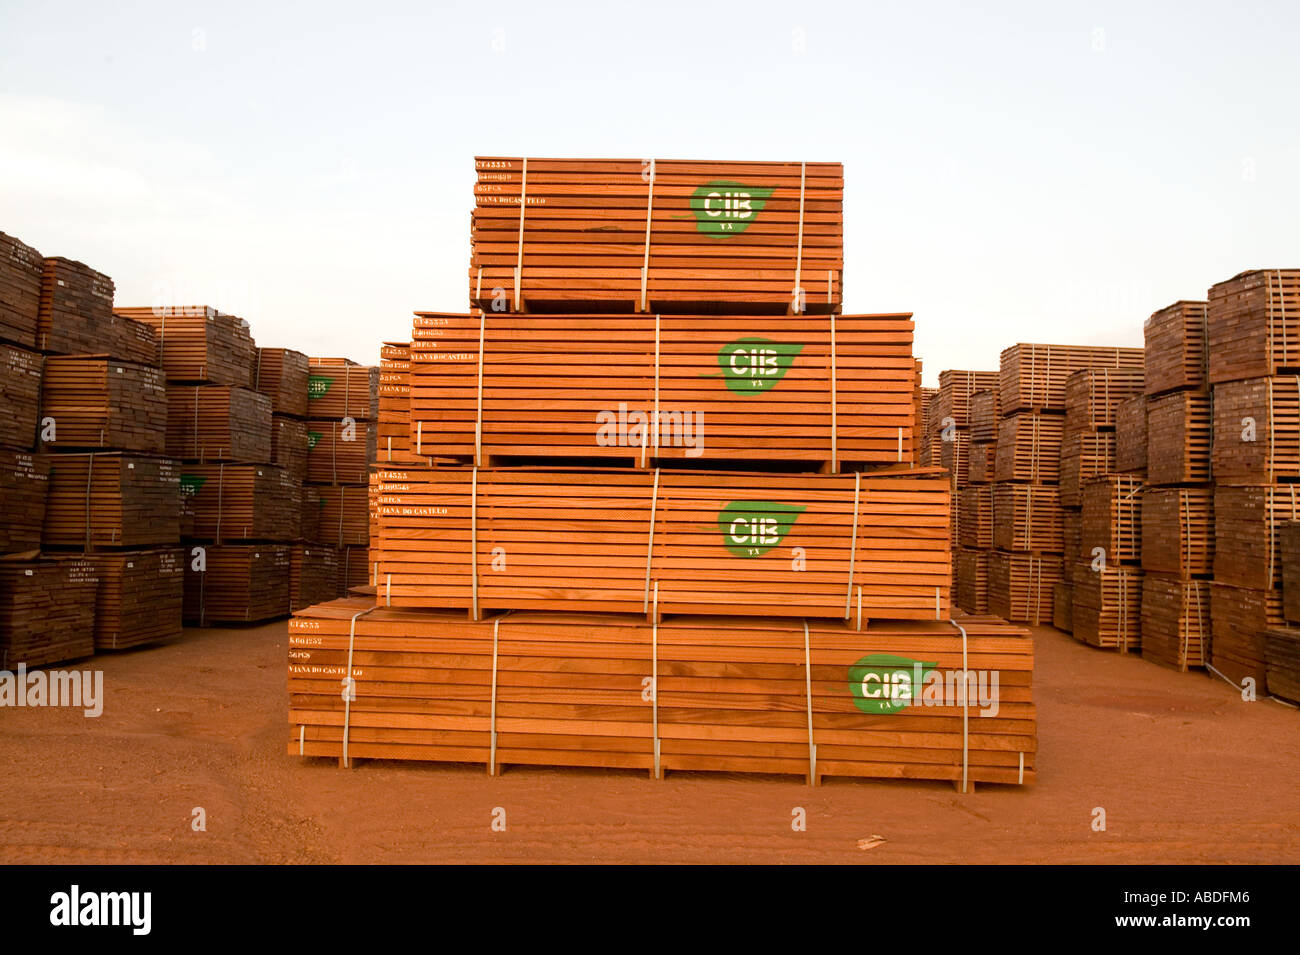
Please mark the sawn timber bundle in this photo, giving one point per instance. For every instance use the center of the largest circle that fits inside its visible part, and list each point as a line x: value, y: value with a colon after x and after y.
x: 1033, y: 377
x: 729, y: 694
x: 199, y: 344
x: 47, y: 612
x: 98, y: 402
x: 112, y: 500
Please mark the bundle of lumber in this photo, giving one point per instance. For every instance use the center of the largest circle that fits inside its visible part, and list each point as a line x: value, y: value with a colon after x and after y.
x: 1063, y: 606
x: 1288, y: 541
x: 1131, y: 436
x: 832, y: 389
x: 972, y: 580
x: 21, y: 271
x: 985, y: 413
x: 1176, y: 357
x: 240, y: 502
x: 343, y: 514
x: 281, y: 375
x: 98, y: 402
x: 667, y: 236
x: 927, y: 406
x: 1175, y: 621
x: 218, y: 423
x: 340, y: 452
x: 138, y: 598
x: 1238, y: 619
x: 1179, y: 435
x: 313, y: 575
x: 956, y: 389
x: 394, y: 432
x: 355, y: 569
x: 693, y: 693
x: 24, y: 481
x: 340, y: 388
x: 112, y: 500
x: 863, y: 545
x: 1282, y: 661
x: 199, y: 344
x: 1247, y: 550
x: 1254, y: 325
x: 975, y: 507
x: 954, y: 455
x: 1107, y: 606
x: 1029, y: 448
x: 1027, y: 517
x: 1257, y: 431
x: 1021, y: 585
x: 47, y: 612
x: 1033, y: 377
x: 237, y: 583
x: 76, y: 316
x: 289, y: 445
x: 20, y: 394
x: 1178, y: 531
x: 981, y: 463
x: 1071, y: 535
x: 1084, y: 456
x: 1093, y: 395
x: 1112, y: 519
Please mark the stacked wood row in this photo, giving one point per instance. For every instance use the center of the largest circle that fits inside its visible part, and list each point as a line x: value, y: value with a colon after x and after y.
x: 241, y: 502
x: 1179, y: 437
x: 985, y: 413
x: 112, y: 500
x: 1021, y: 585
x: 1254, y: 325
x: 1248, y: 552
x: 919, y: 420
x: 1027, y: 517
x: 198, y: 344
x: 1257, y: 431
x: 1107, y: 606
x: 340, y: 452
x: 954, y: 455
x: 47, y: 612
x: 313, y: 575
x: 981, y: 462
x: 1084, y: 456
x: 1111, y: 520
x: 21, y: 272
x: 99, y: 402
x: 1176, y: 357
x: 729, y: 694
x: 355, y: 568
x: 1072, y: 536
x: 340, y: 388
x: 1178, y: 531
x: 1063, y: 606
x: 1288, y: 537
x: 289, y: 445
x: 1175, y: 620
x: 836, y: 389
x: 874, y: 544
x: 138, y: 597
x: 76, y: 316
x: 343, y: 516
x: 972, y: 592
x: 1092, y: 396
x: 1131, y: 436
x: 1033, y: 376
x: 956, y: 389
x: 1239, y: 617
x: 237, y: 583
x: 656, y: 236
x: 1282, y: 662
x: 218, y: 423
x: 394, y: 445
x: 1029, y: 448
x: 24, y: 482
x: 20, y: 393
x: 976, y: 523
x: 281, y: 375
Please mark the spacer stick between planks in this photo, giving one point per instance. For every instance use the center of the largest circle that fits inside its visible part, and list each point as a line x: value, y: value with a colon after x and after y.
x: 853, y: 544
x: 807, y: 674
x: 350, y: 684
x: 649, y: 211
x: 650, y: 547
x: 519, y: 259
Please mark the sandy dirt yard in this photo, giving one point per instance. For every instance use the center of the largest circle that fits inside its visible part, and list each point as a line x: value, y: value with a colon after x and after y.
x: 1184, y: 769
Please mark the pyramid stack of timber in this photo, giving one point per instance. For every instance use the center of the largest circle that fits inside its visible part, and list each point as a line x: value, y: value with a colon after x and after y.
x: 199, y: 345
x: 1252, y: 320
x: 98, y: 403
x: 76, y: 316
x: 731, y: 694
x: 47, y: 612
x: 666, y: 236
x: 21, y: 274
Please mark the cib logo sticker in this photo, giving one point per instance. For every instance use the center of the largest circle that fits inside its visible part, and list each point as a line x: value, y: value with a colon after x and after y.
x: 312, y: 438
x: 882, y: 683
x: 191, y: 484
x: 318, y: 385
x: 752, y: 528
x: 724, y: 208
x: 751, y: 366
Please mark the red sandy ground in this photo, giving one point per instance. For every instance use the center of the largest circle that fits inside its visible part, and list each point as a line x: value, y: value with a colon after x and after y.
x: 1185, y: 770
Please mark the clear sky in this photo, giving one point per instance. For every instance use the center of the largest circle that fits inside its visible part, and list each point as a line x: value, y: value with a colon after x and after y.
x: 1013, y: 171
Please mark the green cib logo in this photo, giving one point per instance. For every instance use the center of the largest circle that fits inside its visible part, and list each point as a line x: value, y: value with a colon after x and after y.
x: 724, y: 208
x: 751, y: 366
x: 191, y: 483
x: 752, y: 528
x: 312, y: 438
x: 318, y: 385
x: 882, y: 683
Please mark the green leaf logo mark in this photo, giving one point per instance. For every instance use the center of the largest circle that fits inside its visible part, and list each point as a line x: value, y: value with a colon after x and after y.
x: 751, y: 366
x: 752, y: 528
x: 883, y: 684
x: 723, y: 208
x: 318, y: 385
x: 191, y: 484
x: 312, y: 438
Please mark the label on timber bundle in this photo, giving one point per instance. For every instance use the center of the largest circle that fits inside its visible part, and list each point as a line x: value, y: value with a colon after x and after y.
x: 318, y: 385
x: 410, y: 511
x: 313, y: 438
x: 751, y: 366
x: 723, y: 208
x: 752, y: 528
x: 882, y: 683
x: 191, y: 484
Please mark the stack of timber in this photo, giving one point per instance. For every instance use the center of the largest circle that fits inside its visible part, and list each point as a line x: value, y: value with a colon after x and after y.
x: 198, y: 344
x: 313, y: 575
x: 1178, y: 531
x: 111, y: 500
x: 1176, y: 622
x: 21, y: 272
x: 985, y: 413
x: 1179, y: 436
x: 1029, y: 448
x: 394, y: 444
x: 241, y: 502
x: 1254, y: 325
x: 237, y: 583
x: 1248, y: 522
x: 1282, y: 662
x: 667, y: 236
x: 977, y: 517
x: 981, y: 462
x: 1131, y: 436
x: 289, y: 445
x: 339, y: 388
x: 218, y: 423
x: 641, y: 390
x: 972, y: 574
x: 1107, y: 606
x: 1022, y: 585
x: 734, y: 694
x: 1239, y: 616
x: 926, y: 415
x: 281, y: 375
x: 24, y: 481
x: 93, y: 402
x: 47, y: 612
x: 1176, y: 357
x: 1027, y: 517
x: 76, y: 316
x: 1063, y: 606
x: 1033, y: 377
x: 1257, y: 430
x: 340, y: 452
x: 343, y: 516
x: 863, y: 545
x: 1084, y: 456
x: 1092, y: 397
x: 1111, y: 519
x: 1288, y: 537
x: 138, y: 596
x: 1105, y: 580
x: 956, y: 390
x: 356, y: 569
x: 20, y: 392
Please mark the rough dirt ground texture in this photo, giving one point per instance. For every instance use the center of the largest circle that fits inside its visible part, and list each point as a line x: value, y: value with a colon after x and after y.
x: 1185, y: 770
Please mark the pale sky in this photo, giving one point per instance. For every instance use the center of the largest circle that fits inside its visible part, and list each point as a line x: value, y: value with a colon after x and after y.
x: 1013, y: 171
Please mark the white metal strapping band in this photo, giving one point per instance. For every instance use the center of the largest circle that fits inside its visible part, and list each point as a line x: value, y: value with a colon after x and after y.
x: 478, y: 419
x: 853, y: 541
x: 519, y: 259
x: 807, y: 673
x: 649, y: 211
x: 654, y: 675
x: 347, y: 677
x: 965, y: 711
x: 796, y: 295
x: 492, y: 740
x: 650, y: 543
x: 473, y: 543
x: 835, y: 425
